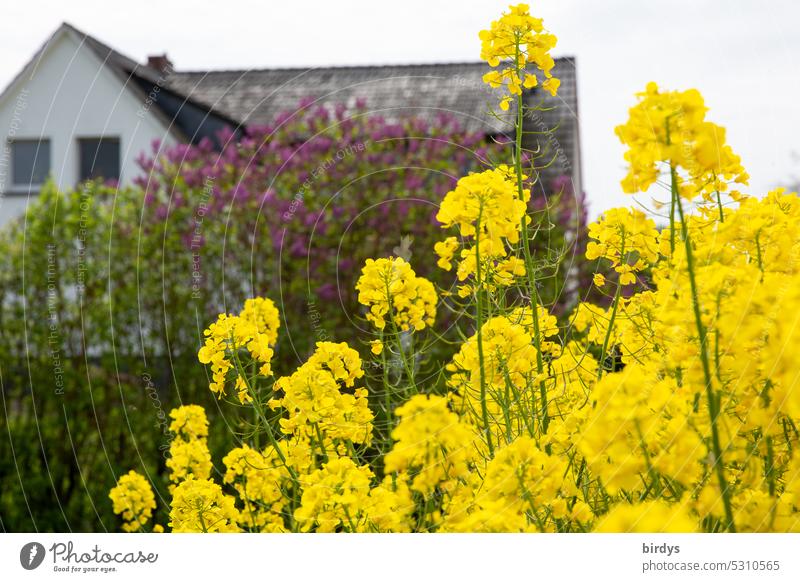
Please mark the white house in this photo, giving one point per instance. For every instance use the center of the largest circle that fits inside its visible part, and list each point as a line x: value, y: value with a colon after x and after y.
x: 69, y: 116
x: 79, y: 109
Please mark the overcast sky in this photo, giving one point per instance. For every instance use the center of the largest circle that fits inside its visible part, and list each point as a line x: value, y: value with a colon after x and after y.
x: 742, y: 55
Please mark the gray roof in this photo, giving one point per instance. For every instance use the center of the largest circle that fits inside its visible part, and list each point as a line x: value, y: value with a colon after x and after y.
x: 394, y: 91
x: 256, y: 96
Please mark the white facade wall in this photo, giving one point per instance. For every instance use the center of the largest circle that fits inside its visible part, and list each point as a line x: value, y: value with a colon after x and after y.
x: 68, y: 94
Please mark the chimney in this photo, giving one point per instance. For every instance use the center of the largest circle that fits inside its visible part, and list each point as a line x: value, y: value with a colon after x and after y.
x: 160, y: 63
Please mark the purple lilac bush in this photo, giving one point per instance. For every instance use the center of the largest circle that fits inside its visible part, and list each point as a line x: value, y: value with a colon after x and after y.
x: 291, y: 210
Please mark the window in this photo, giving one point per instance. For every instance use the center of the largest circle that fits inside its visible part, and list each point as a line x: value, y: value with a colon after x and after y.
x: 30, y: 162
x: 99, y: 158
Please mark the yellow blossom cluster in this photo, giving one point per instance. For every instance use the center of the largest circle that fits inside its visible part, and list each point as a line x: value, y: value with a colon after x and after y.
x: 523, y: 490
x: 259, y: 479
x: 254, y: 330
x: 200, y: 506
x: 520, y: 44
x: 487, y: 385
x: 339, y: 497
x: 638, y: 424
x: 433, y: 447
x: 133, y: 500
x: 188, y: 450
x: 667, y: 130
x: 647, y: 517
x: 627, y: 238
x: 315, y: 403
x: 394, y: 293
x: 489, y: 209
x: 189, y: 422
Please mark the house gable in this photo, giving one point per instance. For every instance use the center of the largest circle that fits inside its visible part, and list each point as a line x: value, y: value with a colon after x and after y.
x: 66, y: 93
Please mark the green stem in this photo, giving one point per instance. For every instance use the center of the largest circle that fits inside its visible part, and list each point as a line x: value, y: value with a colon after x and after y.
x: 200, y: 517
x: 673, y: 192
x: 614, y: 308
x: 399, y: 340
x: 673, y: 198
x: 387, y: 393
x: 271, y: 437
x: 770, y: 467
x: 758, y: 254
x: 321, y: 441
x: 611, y: 319
x: 526, y: 250
x: 713, y: 402
x: 479, y: 335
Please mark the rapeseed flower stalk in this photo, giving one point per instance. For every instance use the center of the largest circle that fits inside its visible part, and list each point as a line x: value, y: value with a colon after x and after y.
x: 339, y: 497
x: 520, y: 40
x: 627, y: 238
x: 433, y: 447
x: 670, y: 127
x: 188, y: 450
x: 496, y: 392
x: 395, y: 295
x: 524, y: 489
x: 675, y: 408
x: 487, y: 211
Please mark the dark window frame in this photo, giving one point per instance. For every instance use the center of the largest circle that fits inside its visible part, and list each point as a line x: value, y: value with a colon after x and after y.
x: 26, y: 183
x: 84, y: 139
